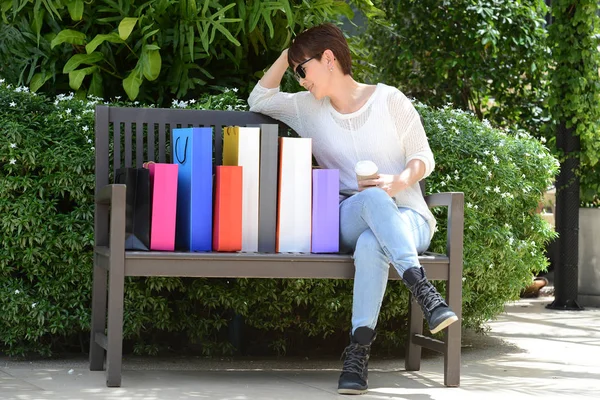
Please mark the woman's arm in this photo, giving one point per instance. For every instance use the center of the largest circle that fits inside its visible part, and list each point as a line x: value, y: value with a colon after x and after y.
x: 266, y: 98
x: 272, y: 77
x: 392, y: 184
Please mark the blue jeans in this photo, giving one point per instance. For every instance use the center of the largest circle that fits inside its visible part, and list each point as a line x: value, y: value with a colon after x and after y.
x: 380, y: 233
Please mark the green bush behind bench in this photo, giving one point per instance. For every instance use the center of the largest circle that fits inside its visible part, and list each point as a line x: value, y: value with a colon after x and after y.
x: 46, y: 238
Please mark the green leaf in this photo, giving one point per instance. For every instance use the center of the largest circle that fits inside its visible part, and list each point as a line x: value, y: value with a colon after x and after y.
x: 227, y: 34
x: 79, y: 59
x: 96, y: 88
x: 152, y: 64
x: 38, y: 81
x: 132, y: 84
x: 68, y: 36
x: 76, y: 77
x: 101, y: 38
x: 126, y: 27
x: 75, y: 8
x: 37, y: 23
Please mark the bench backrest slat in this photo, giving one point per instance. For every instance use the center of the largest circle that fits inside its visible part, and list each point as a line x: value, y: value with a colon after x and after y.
x: 148, y: 123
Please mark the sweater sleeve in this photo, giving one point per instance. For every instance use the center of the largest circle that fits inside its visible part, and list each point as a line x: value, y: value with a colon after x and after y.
x: 411, y: 132
x: 276, y: 104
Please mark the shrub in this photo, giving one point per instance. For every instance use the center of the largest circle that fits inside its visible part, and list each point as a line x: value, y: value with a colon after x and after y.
x: 46, y: 238
x: 503, y: 175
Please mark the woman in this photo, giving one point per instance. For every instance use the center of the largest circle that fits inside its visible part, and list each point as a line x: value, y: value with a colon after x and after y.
x: 387, y: 220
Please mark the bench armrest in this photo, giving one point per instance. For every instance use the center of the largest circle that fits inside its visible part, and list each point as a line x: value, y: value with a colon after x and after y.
x: 109, y: 216
x: 455, y: 201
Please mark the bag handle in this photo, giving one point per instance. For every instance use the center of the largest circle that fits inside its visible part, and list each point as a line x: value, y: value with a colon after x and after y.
x: 184, y: 149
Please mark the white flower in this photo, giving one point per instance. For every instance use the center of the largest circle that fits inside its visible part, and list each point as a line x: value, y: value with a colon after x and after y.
x: 487, y: 153
x: 229, y: 108
x: 448, y: 178
x: 78, y: 117
x: 33, y: 305
x: 497, y: 189
x: 495, y: 160
x: 469, y: 205
x: 118, y: 97
x: 13, y: 161
x: 484, y: 167
x: 68, y: 111
x: 193, y: 101
x: 92, y: 148
x: 543, y: 139
x: 440, y: 126
x: 510, y: 241
x: 17, y: 291
x: 1, y: 80
x: 85, y: 128
x: 455, y: 172
x: 235, y: 89
x: 443, y: 183
x: 135, y: 103
x: 487, y: 188
x: 13, y: 145
x: 13, y: 104
x: 506, y: 225
x: 489, y: 174
x: 89, y: 140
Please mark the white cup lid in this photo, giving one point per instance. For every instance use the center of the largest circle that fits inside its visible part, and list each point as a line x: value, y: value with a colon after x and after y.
x: 365, y: 168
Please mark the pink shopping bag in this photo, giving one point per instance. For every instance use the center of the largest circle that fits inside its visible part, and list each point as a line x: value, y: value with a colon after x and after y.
x: 163, y: 195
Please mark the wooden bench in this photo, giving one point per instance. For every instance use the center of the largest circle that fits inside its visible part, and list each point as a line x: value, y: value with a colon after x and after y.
x: 151, y: 128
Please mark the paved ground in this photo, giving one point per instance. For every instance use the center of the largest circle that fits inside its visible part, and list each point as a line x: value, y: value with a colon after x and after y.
x: 530, y: 352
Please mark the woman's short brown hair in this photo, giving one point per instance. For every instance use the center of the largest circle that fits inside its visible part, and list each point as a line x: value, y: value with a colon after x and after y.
x: 314, y: 41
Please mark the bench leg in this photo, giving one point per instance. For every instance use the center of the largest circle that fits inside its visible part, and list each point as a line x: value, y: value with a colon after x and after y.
x: 415, y: 326
x: 452, y: 334
x: 114, y: 351
x: 452, y: 355
x: 98, y: 318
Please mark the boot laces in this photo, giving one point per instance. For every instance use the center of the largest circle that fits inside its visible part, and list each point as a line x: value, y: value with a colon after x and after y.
x: 427, y: 296
x: 355, y: 358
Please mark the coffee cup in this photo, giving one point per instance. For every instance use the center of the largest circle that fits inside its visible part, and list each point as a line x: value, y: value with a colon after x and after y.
x: 365, y: 170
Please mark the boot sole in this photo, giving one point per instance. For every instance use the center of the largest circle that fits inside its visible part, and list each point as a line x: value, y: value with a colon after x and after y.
x: 444, y: 324
x: 352, y: 391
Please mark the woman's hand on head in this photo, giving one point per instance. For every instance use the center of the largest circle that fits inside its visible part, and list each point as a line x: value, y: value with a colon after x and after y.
x: 391, y: 184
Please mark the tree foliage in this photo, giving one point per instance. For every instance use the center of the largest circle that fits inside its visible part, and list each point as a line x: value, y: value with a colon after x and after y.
x: 487, y: 56
x: 152, y: 50
x: 575, y: 90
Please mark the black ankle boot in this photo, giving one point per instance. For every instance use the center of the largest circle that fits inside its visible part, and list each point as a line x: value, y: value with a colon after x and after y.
x: 436, y: 311
x: 353, y: 379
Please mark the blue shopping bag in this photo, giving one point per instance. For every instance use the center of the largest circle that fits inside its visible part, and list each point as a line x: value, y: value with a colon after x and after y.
x: 192, y: 150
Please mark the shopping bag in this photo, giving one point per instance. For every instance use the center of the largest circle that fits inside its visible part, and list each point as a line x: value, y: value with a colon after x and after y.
x: 325, y: 211
x: 241, y: 147
x: 192, y: 152
x: 163, y: 195
x: 227, y: 234
x: 137, y: 210
x: 295, y: 195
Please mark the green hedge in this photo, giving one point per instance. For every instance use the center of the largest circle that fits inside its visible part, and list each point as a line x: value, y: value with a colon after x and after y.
x: 46, y: 237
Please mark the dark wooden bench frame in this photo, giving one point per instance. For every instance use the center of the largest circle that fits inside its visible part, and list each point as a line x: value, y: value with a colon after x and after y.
x: 112, y: 263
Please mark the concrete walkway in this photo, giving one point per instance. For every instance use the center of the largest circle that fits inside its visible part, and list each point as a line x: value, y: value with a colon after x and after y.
x: 530, y: 352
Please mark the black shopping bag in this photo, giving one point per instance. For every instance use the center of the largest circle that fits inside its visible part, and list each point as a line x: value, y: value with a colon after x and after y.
x: 137, y: 213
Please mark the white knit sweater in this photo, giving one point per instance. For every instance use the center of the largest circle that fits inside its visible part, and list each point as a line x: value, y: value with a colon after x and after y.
x: 386, y: 130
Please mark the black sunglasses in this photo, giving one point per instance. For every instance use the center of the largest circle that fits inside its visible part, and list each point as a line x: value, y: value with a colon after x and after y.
x: 299, y: 71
